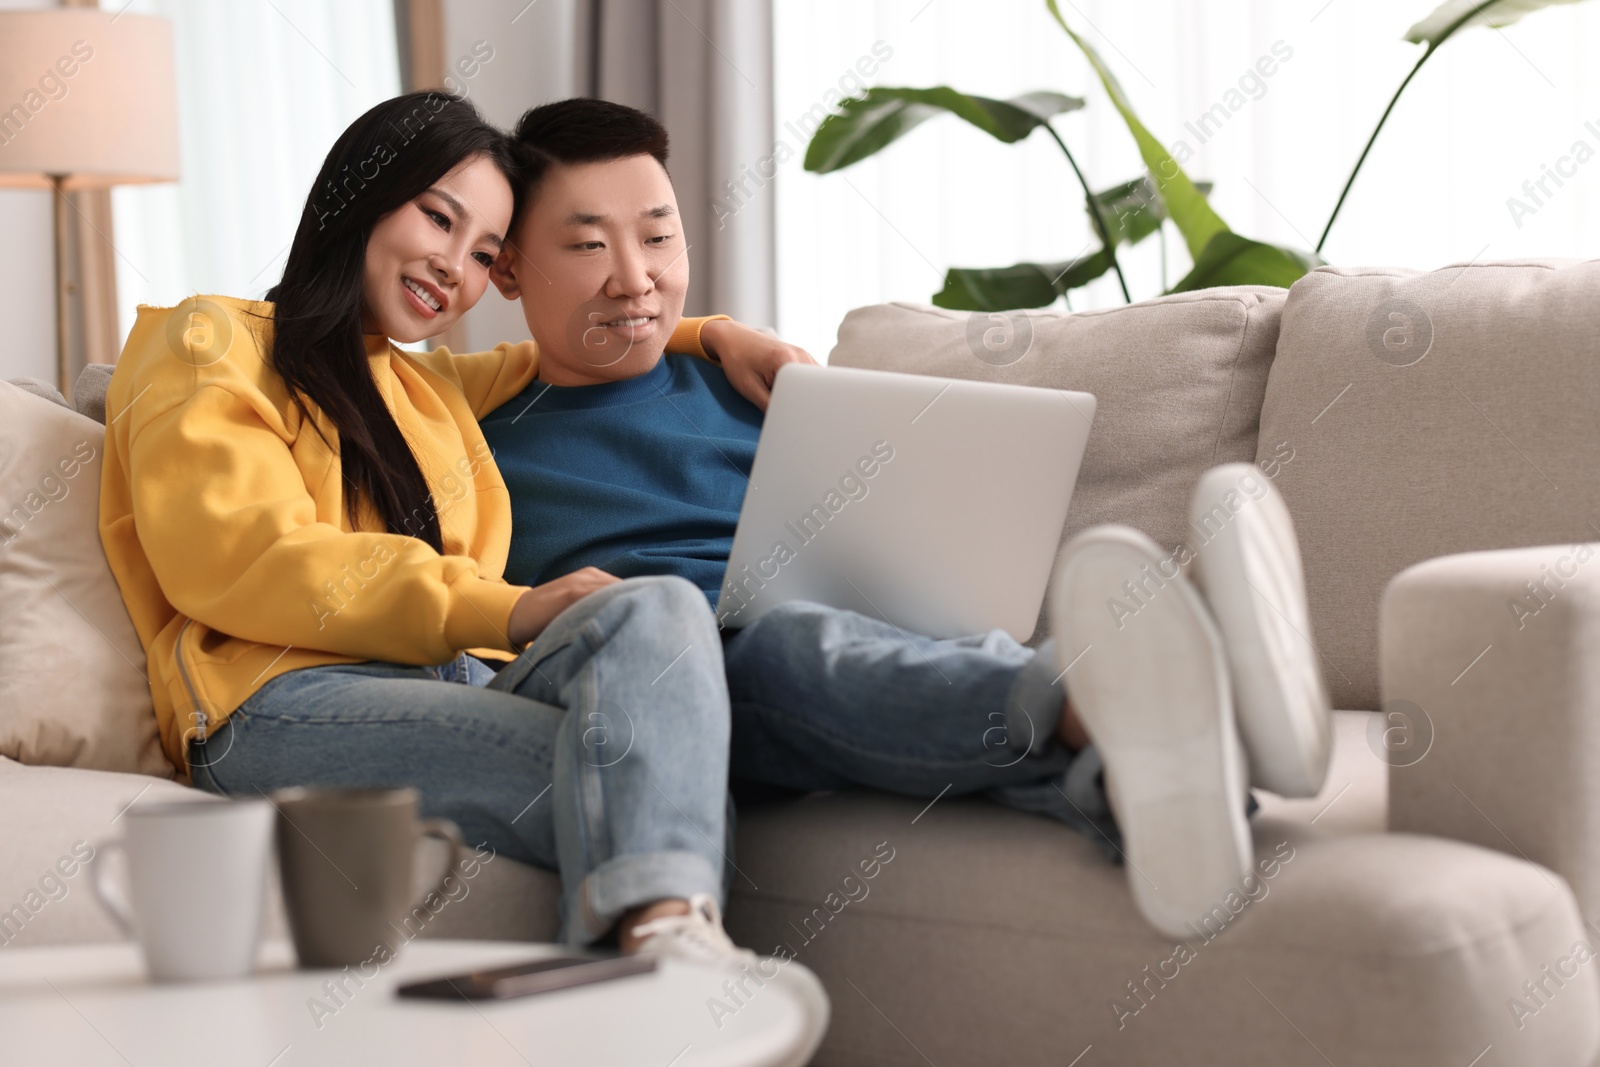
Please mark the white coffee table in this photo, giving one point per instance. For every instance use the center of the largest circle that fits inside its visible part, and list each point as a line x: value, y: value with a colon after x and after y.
x: 90, y: 1005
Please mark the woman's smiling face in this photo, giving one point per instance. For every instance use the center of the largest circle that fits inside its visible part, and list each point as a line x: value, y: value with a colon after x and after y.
x: 428, y: 262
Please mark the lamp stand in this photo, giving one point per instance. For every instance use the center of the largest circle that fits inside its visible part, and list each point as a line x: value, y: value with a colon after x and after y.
x: 63, y: 286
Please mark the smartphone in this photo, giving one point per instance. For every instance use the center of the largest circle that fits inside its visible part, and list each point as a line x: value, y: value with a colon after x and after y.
x: 525, y: 979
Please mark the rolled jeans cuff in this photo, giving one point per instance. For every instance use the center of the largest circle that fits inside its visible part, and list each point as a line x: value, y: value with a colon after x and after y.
x: 627, y: 882
x: 1033, y: 706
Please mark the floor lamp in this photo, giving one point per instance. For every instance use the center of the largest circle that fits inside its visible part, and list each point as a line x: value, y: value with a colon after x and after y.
x: 88, y: 100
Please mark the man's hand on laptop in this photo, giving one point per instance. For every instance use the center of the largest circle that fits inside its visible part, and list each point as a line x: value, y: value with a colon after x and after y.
x: 541, y: 604
x: 749, y: 357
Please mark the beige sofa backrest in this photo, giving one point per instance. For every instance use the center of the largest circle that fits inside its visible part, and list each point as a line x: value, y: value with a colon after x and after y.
x: 1431, y: 413
x: 1406, y: 415
x: 1178, y: 380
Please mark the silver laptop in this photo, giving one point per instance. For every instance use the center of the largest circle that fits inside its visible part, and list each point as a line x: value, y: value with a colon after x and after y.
x: 931, y: 503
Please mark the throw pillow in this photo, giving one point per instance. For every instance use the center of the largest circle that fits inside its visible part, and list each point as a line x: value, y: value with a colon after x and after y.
x: 73, y: 689
x: 1178, y: 383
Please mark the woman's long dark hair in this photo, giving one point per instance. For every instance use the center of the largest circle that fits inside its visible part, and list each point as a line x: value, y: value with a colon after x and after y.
x: 387, y: 158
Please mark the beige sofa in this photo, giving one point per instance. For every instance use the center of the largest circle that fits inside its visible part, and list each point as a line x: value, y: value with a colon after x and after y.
x: 1420, y: 911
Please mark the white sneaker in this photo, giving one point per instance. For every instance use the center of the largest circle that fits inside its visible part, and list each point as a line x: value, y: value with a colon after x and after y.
x: 1150, y: 682
x: 698, y: 937
x: 1248, y: 568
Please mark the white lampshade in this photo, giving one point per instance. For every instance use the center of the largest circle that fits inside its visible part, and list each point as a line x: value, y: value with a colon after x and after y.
x: 86, y: 95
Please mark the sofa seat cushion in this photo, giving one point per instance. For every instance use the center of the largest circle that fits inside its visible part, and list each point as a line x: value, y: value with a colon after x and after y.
x: 46, y: 813
x: 1355, y: 797
x: 925, y: 921
x: 1429, y: 414
x: 1178, y: 383
x: 52, y: 822
x: 946, y: 933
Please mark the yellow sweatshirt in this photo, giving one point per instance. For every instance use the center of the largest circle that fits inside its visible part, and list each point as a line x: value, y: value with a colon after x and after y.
x: 222, y: 512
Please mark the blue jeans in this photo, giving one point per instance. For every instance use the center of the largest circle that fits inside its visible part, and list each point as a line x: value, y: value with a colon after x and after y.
x: 600, y: 752
x: 825, y: 698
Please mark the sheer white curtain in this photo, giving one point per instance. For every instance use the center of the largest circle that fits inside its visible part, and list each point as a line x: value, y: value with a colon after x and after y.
x: 1491, y: 111
x: 264, y: 88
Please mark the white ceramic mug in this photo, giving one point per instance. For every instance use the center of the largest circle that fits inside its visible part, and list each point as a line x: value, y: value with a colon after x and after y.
x: 197, y: 875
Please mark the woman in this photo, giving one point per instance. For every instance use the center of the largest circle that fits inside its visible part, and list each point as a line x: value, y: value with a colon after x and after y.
x: 309, y: 532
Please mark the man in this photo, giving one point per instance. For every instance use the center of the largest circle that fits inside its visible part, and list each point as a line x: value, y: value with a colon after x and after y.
x: 634, y: 461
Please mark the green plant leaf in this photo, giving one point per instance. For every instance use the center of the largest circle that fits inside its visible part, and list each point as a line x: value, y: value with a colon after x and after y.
x: 1023, y: 285
x: 1433, y: 29
x: 1185, y: 205
x: 1042, y: 104
x: 1134, y: 210
x: 867, y: 124
x: 1230, y: 259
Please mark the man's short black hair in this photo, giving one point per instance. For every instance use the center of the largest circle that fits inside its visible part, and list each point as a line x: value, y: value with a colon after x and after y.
x: 584, y: 130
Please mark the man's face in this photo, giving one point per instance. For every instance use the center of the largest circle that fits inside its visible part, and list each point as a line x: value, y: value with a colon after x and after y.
x: 599, y: 263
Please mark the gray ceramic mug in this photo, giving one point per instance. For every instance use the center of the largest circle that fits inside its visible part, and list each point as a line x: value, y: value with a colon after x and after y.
x: 345, y: 856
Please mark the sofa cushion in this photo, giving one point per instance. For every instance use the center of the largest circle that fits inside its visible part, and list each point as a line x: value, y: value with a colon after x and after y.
x: 89, y: 391
x: 52, y: 823
x: 73, y: 690
x: 1355, y: 797
x: 925, y: 921
x: 41, y: 388
x: 1178, y: 383
x: 1429, y: 414
x: 946, y: 934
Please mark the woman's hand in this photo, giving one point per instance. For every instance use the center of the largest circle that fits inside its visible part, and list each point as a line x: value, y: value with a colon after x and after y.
x: 749, y: 357
x: 541, y: 604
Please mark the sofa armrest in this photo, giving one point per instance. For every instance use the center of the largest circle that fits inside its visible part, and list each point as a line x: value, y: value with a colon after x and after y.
x: 1497, y: 655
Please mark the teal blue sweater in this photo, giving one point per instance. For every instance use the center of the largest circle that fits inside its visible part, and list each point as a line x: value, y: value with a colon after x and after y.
x: 642, y: 476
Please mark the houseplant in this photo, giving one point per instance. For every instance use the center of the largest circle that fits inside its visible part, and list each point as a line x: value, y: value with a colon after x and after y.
x: 1125, y: 213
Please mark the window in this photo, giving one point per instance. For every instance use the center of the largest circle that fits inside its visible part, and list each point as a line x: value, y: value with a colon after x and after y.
x: 264, y: 89
x: 1490, y: 112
